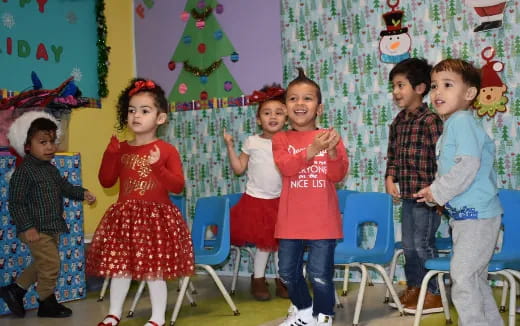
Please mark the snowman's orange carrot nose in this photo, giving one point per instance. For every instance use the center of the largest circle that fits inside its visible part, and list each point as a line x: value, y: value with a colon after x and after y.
x: 395, y: 45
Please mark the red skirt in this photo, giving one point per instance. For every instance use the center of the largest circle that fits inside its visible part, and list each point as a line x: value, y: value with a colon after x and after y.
x: 253, y: 221
x: 141, y: 240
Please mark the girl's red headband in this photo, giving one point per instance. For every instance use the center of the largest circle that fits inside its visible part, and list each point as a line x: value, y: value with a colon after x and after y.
x: 269, y: 94
x: 141, y: 85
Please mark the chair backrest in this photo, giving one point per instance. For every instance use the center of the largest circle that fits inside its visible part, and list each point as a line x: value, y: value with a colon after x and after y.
x: 211, y: 211
x: 233, y: 198
x: 368, y: 207
x: 342, y: 196
x: 180, y: 202
x: 510, y: 200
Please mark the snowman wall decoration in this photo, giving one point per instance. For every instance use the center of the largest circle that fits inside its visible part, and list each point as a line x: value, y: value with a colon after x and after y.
x: 395, y: 42
x: 491, y: 98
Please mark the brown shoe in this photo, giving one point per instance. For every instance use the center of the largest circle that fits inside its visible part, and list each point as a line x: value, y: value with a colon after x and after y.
x: 281, y: 289
x: 409, y: 295
x: 259, y: 289
x: 432, y: 304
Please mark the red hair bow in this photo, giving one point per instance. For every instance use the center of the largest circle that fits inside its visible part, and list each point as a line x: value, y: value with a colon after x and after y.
x: 140, y: 85
x: 270, y: 93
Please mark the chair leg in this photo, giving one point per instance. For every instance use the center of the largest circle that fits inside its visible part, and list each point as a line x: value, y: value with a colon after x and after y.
x: 503, y: 299
x: 180, y: 297
x: 361, y: 292
x: 221, y: 287
x: 235, y: 268
x: 103, y: 289
x: 389, y: 285
x: 422, y: 295
x: 444, y: 298
x: 336, y: 296
x: 345, y: 281
x: 512, y: 295
x: 138, y: 294
x: 393, y: 265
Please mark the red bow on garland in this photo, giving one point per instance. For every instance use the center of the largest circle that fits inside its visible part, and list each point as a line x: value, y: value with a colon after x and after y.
x: 270, y: 93
x: 140, y: 85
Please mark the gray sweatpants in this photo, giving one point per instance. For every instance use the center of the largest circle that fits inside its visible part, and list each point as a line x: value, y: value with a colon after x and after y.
x: 473, y: 245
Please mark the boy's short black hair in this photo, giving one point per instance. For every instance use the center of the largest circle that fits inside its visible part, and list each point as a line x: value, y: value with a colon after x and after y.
x: 416, y: 70
x: 40, y: 124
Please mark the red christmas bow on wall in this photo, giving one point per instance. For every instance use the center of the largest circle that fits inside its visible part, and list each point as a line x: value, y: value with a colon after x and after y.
x: 270, y: 93
x: 140, y: 85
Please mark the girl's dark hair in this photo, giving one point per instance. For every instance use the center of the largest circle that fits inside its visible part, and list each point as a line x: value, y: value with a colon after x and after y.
x: 416, y: 70
x: 41, y: 124
x: 279, y: 98
x: 302, y: 79
x: 136, y: 86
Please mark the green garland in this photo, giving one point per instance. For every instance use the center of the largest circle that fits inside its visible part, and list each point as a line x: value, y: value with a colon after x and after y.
x: 201, y: 15
x: 202, y: 72
x: 103, y: 49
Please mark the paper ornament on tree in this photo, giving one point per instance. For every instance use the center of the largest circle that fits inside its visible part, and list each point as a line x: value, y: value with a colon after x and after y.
x: 203, y: 67
x: 491, y: 98
x: 395, y: 42
x: 490, y: 12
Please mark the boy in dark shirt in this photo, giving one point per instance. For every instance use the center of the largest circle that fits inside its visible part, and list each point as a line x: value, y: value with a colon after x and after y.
x: 36, y: 191
x: 411, y: 164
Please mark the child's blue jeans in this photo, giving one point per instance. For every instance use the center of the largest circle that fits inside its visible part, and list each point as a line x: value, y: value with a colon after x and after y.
x: 419, y: 224
x: 320, y: 269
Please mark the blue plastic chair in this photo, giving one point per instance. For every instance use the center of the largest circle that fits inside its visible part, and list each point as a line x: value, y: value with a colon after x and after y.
x: 442, y: 245
x: 501, y: 263
x: 361, y: 208
x: 209, y: 211
x: 180, y: 202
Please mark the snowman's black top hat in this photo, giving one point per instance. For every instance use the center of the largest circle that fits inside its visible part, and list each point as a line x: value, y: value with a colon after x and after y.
x: 393, y: 20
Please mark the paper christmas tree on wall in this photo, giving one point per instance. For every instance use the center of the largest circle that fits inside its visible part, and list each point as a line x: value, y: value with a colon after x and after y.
x: 200, y: 50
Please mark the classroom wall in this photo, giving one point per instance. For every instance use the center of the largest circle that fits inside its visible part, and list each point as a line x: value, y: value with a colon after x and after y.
x: 90, y: 129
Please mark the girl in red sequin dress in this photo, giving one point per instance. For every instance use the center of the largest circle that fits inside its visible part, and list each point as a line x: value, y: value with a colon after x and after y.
x: 143, y: 235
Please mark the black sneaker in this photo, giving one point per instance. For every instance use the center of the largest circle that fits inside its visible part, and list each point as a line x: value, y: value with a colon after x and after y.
x: 52, y: 309
x: 13, y: 295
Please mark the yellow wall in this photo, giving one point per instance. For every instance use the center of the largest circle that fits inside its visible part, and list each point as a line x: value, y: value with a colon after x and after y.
x: 90, y: 129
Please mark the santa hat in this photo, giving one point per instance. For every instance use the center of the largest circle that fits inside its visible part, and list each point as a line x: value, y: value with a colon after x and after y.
x: 489, y: 76
x: 17, y: 134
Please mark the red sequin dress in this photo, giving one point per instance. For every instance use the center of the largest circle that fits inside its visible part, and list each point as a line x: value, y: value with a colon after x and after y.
x: 143, y: 235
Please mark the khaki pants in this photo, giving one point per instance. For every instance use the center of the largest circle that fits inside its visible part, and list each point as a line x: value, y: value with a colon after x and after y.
x: 45, y: 265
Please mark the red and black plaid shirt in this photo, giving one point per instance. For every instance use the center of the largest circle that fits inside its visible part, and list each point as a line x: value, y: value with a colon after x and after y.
x: 411, y: 149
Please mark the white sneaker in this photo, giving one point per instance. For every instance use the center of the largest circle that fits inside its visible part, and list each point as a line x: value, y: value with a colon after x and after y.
x: 324, y: 320
x: 292, y: 311
x: 301, y: 318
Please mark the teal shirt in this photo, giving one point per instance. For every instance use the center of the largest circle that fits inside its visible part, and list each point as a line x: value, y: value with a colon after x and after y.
x: 463, y: 136
x: 36, y: 192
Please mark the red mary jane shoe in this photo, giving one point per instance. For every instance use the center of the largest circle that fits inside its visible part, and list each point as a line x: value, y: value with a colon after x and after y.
x: 109, y: 324
x: 154, y: 323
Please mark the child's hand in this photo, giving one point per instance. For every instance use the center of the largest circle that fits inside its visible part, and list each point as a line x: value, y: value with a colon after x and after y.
x: 89, y: 197
x: 113, y: 146
x: 321, y: 141
x: 333, y: 140
x: 228, y: 139
x: 425, y: 195
x: 32, y: 235
x: 391, y: 188
x: 155, y: 155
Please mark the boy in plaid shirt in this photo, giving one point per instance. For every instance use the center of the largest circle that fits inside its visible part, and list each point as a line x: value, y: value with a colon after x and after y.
x: 36, y: 191
x: 411, y: 164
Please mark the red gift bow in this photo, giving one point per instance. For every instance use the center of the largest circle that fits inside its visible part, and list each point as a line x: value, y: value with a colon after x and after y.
x: 141, y: 84
x: 270, y: 93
